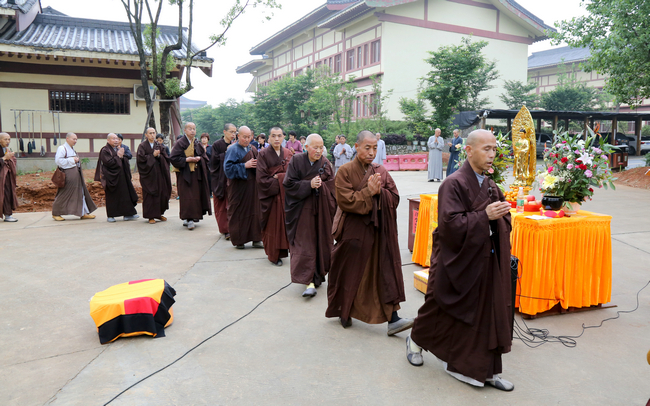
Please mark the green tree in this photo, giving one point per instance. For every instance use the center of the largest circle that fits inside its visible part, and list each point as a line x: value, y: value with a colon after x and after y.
x: 569, y: 98
x: 377, y: 106
x: 211, y: 120
x: 518, y: 94
x: 459, y: 75
x: 617, y: 32
x: 415, y: 113
x: 155, y: 64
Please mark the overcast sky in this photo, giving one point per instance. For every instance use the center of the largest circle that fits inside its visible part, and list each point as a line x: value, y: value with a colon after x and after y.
x: 252, y: 28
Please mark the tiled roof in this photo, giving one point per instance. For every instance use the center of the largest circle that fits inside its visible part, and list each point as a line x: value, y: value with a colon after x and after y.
x: 69, y: 33
x: 50, y: 10
x: 349, y: 13
x: 23, y: 5
x: 557, y: 56
x: 518, y: 7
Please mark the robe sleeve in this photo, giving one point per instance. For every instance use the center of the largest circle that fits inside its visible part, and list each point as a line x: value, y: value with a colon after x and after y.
x: 440, y: 144
x: 348, y: 151
x: 144, y: 161
x: 337, y: 153
x: 299, y: 149
x: 177, y: 157
x: 267, y: 185
x: 293, y: 183
x: 127, y: 152
x: 233, y: 168
x: 349, y: 199
x: 431, y: 143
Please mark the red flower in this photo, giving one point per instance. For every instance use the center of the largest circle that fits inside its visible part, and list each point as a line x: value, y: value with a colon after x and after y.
x: 591, y: 190
x: 583, y: 167
x: 555, y: 161
x: 564, y: 160
x: 578, y: 160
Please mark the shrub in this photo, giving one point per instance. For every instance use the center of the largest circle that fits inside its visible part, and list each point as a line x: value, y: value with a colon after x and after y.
x: 394, y: 139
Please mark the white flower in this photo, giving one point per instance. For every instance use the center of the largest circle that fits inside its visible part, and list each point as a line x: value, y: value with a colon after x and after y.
x: 585, y: 158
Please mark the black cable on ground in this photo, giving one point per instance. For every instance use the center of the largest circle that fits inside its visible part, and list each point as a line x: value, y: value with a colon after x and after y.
x: 535, y: 337
x: 199, y: 344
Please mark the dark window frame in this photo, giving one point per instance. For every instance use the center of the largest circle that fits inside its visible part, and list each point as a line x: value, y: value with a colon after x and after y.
x: 86, y: 102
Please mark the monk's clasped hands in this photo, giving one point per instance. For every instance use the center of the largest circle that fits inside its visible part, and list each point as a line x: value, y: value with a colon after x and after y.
x: 497, y: 210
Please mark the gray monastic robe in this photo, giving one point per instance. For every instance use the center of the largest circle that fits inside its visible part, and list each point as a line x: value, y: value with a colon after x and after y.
x: 435, y: 157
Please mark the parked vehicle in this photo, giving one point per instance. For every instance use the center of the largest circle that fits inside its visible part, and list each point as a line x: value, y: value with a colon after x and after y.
x: 543, y: 140
x: 645, y: 145
x: 621, y: 140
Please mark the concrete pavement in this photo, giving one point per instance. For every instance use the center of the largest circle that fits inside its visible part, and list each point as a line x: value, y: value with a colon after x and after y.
x: 286, y: 352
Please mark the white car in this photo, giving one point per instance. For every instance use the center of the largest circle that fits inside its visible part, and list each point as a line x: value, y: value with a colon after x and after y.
x: 645, y: 145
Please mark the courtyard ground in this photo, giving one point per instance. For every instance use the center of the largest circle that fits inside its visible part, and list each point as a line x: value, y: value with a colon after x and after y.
x: 286, y: 352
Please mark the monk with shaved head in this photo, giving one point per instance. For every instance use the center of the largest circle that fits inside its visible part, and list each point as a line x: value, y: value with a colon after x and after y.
x: 153, y: 166
x: 466, y: 318
x: 191, y: 166
x: 219, y: 179
x: 244, y: 216
x: 114, y: 172
x: 366, y: 281
x: 8, y: 199
x: 309, y: 206
x: 73, y: 197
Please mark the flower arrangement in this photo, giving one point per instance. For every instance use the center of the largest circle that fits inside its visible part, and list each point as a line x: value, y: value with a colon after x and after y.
x: 501, y: 163
x: 574, y: 166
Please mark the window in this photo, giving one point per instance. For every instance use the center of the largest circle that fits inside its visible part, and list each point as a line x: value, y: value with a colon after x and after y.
x: 365, y: 55
x: 373, y: 105
x: 375, y: 51
x: 318, y: 64
x: 350, y: 65
x: 365, y: 106
x: 329, y: 63
x: 358, y: 106
x: 298, y: 72
x: 90, y: 102
x: 359, y: 53
x: 337, y: 63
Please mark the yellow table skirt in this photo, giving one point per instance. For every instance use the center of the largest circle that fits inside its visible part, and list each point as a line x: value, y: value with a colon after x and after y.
x: 427, y: 222
x: 567, y: 260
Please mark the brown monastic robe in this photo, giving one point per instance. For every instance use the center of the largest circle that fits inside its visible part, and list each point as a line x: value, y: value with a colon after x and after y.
x: 155, y: 179
x: 192, y: 185
x: 8, y: 199
x: 70, y: 198
x: 115, y: 175
x: 219, y: 184
x: 271, y: 195
x: 366, y: 280
x: 466, y: 319
x: 243, y: 204
x: 309, y: 215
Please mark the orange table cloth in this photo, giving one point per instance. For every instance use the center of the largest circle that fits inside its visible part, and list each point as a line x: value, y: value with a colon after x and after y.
x: 427, y: 222
x: 567, y: 260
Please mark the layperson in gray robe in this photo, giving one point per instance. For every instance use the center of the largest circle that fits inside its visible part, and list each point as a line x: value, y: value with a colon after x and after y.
x: 381, y: 151
x: 73, y: 198
x: 342, y: 153
x: 436, y: 144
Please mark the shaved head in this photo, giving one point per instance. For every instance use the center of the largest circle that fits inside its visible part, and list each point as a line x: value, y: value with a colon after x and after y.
x: 363, y: 134
x: 311, y: 138
x: 68, y: 135
x: 477, y: 135
x: 245, y: 136
x: 4, y: 140
x: 481, y: 149
x: 71, y: 139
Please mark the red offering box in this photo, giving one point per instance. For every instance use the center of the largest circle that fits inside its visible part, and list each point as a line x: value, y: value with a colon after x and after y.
x: 513, y: 205
x: 532, y: 207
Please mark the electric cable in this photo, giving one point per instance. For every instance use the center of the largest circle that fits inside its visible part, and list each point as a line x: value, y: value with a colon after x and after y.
x: 199, y: 344
x: 535, y: 337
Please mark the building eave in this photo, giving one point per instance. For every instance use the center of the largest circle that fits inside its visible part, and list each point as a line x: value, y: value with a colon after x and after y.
x: 251, y: 66
x: 529, y: 20
x: 344, y: 16
x: 292, y: 30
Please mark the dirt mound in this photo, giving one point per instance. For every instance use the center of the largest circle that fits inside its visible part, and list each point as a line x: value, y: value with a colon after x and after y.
x: 634, y: 178
x: 36, y: 192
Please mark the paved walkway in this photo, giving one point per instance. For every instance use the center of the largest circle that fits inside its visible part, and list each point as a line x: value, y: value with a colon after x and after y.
x: 286, y: 352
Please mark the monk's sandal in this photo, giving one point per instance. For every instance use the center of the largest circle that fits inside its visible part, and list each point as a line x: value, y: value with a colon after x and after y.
x: 500, y: 383
x: 414, y: 357
x: 399, y: 325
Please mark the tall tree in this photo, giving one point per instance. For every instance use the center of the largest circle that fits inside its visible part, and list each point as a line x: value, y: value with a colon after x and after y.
x: 617, y: 32
x: 378, y: 103
x: 518, y: 94
x: 460, y: 73
x: 415, y: 114
x: 157, y: 64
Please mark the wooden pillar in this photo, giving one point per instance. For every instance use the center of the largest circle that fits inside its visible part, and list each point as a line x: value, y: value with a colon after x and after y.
x: 483, y: 119
x: 566, y: 124
x: 613, y: 131
x: 637, y: 132
x: 586, y: 124
x: 509, y: 121
x: 555, y: 119
x: 539, y: 126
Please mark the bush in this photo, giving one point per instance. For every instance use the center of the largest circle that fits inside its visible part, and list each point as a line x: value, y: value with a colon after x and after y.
x: 647, y: 159
x: 394, y: 139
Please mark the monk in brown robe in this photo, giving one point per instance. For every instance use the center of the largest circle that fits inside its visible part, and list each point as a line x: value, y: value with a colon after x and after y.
x: 114, y: 172
x: 310, y: 206
x: 8, y: 199
x: 73, y: 197
x: 243, y: 203
x: 366, y: 281
x: 466, y: 319
x: 191, y: 167
x: 271, y: 168
x: 219, y: 179
x: 153, y: 166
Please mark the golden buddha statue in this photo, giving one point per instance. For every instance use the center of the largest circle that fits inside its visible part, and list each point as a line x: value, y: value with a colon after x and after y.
x: 524, y: 146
